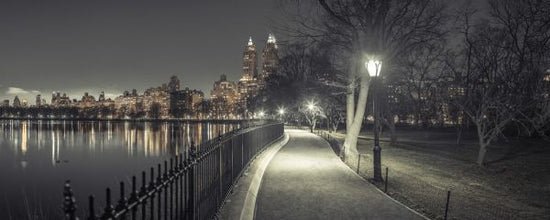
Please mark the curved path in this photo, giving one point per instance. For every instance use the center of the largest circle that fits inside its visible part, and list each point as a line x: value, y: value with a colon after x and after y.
x: 306, y: 180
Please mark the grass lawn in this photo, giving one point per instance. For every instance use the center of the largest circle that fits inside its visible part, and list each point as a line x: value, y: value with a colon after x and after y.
x: 515, y: 184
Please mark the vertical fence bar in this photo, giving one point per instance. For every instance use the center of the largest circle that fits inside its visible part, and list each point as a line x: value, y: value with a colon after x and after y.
x: 159, y: 185
x: 69, y: 202
x: 191, y: 188
x: 386, y: 182
x: 167, y: 207
x: 142, y: 193
x: 447, y: 205
x: 175, y: 174
x: 122, y: 200
x: 109, y: 211
x: 91, y: 208
x: 133, y: 198
x: 152, y: 189
x: 358, y: 162
x: 180, y: 186
x: 220, y: 174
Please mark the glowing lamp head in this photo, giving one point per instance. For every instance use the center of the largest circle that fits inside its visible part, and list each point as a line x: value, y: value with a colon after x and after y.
x: 261, y: 114
x: 281, y: 111
x: 373, y: 67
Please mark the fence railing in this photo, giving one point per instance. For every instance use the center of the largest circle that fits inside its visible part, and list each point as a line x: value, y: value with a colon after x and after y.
x: 190, y: 186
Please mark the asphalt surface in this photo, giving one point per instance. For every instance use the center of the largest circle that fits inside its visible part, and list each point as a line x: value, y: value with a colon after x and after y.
x: 306, y: 180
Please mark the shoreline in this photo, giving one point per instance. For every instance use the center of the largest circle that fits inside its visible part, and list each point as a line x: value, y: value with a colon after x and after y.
x: 137, y: 120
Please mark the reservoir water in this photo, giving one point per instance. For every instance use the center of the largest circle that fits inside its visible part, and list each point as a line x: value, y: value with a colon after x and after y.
x: 37, y: 156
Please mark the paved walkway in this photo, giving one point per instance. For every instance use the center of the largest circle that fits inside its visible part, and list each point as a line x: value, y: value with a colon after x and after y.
x: 306, y: 180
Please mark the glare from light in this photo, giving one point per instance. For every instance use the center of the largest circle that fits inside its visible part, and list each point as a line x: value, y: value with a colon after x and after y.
x: 311, y: 105
x: 373, y: 67
x: 281, y: 111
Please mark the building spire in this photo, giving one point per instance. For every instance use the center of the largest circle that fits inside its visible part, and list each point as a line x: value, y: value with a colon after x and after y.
x: 250, y: 43
x: 271, y: 38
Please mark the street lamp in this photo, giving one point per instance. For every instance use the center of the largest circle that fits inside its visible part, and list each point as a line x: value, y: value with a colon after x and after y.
x: 281, y: 112
x: 311, y: 108
x: 373, y: 68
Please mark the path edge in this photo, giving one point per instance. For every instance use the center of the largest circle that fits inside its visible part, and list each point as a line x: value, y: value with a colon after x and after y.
x: 241, y: 203
x: 380, y: 191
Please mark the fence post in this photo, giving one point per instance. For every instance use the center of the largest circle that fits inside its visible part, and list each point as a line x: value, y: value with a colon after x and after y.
x: 191, y: 189
x: 358, y: 162
x: 386, y: 182
x: 108, y: 211
x: 122, y: 201
x: 447, y: 205
x: 91, y: 208
x: 69, y: 202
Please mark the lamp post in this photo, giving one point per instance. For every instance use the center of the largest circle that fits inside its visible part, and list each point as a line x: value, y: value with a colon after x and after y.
x: 281, y: 112
x: 311, y: 108
x: 373, y: 67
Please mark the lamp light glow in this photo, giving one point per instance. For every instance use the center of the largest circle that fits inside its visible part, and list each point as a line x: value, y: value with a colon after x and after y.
x: 373, y: 67
x: 281, y: 111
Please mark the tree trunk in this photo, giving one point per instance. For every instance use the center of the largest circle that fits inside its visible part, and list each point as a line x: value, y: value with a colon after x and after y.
x: 460, y: 132
x: 393, y: 135
x: 481, y: 153
x: 482, y: 144
x: 350, y: 105
x: 459, y: 135
x: 350, y: 143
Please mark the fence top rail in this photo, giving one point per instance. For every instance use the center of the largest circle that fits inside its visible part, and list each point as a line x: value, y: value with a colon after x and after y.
x: 211, y: 145
x: 229, y: 135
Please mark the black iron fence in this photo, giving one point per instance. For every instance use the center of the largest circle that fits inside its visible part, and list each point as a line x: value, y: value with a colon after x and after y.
x: 191, y: 186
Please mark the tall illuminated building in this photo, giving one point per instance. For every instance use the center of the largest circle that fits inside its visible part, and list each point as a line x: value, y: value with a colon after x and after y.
x: 248, y: 84
x: 173, y: 84
x: 250, y: 61
x: 270, y: 59
x: 39, y: 100
x: 16, y: 102
x: 223, y: 98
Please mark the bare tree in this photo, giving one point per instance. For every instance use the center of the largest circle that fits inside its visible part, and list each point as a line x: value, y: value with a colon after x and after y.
x: 360, y: 30
x: 500, y: 63
x: 312, y: 113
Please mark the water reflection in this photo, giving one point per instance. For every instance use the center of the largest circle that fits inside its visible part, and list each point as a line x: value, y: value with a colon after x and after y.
x: 137, y: 139
x: 37, y: 156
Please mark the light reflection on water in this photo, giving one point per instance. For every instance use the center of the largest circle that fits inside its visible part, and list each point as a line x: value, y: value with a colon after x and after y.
x: 37, y: 156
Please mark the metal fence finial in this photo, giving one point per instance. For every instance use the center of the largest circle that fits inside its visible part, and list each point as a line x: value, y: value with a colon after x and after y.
x: 69, y: 202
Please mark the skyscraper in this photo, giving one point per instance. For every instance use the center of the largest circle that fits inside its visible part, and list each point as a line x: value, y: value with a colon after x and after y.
x: 250, y: 61
x: 38, y: 100
x: 101, y: 96
x: 16, y: 102
x: 270, y: 59
x: 174, y: 84
x: 223, y: 98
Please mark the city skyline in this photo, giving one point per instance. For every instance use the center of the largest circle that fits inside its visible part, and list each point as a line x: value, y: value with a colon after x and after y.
x: 74, y: 56
x: 30, y: 96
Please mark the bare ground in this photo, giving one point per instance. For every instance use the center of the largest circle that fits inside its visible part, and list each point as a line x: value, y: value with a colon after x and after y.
x: 515, y: 184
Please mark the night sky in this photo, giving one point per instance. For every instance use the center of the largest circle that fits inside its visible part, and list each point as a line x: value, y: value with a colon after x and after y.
x: 77, y: 46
